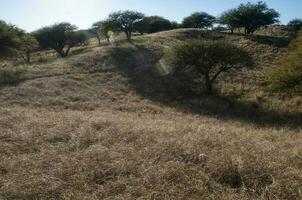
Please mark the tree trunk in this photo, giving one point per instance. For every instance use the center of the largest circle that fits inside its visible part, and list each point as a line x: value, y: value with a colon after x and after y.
x: 208, y: 85
x: 99, y: 40
x: 250, y: 31
x: 60, y: 52
x: 67, y: 51
x: 28, y: 57
x: 128, y: 34
x: 108, y: 40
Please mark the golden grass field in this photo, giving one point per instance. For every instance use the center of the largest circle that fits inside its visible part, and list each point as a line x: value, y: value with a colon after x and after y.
x: 100, y: 125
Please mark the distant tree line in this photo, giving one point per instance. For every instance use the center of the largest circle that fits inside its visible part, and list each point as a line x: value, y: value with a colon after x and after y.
x: 129, y: 22
x: 15, y: 42
x: 62, y: 37
x: 248, y: 16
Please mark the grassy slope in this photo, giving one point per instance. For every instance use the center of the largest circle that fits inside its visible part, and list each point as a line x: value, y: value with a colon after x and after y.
x: 98, y: 126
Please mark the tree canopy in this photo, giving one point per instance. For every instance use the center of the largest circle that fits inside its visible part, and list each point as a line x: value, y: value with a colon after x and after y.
x: 102, y: 29
x: 9, y: 39
x: 15, y: 42
x: 29, y: 44
x: 60, y: 37
x: 124, y: 21
x: 199, y: 20
x: 296, y: 24
x: 209, y: 59
x: 250, y: 16
x: 229, y: 18
x: 152, y: 24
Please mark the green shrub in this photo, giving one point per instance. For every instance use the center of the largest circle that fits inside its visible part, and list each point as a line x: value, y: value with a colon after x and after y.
x: 287, y: 74
x: 12, y: 75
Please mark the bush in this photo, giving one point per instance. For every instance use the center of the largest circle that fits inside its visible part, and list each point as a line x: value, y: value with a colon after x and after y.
x: 12, y: 75
x: 287, y: 74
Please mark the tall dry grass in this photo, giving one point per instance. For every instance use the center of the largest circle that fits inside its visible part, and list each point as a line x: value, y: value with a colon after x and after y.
x: 87, y: 128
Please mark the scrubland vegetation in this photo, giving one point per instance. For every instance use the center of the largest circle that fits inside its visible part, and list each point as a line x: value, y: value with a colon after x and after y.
x: 152, y: 109
x: 287, y: 74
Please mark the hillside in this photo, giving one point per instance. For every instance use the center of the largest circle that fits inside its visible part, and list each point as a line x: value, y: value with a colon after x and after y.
x: 103, y: 124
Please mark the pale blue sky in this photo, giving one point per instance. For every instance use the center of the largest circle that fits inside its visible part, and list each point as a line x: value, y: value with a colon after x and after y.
x: 32, y: 14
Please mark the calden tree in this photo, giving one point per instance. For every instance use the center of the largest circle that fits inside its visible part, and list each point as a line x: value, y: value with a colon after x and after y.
x: 103, y: 29
x: 250, y: 16
x: 9, y: 39
x: 152, y: 24
x: 209, y: 59
x: 15, y: 42
x: 230, y: 19
x: 124, y: 21
x: 198, y: 20
x: 60, y: 37
x: 295, y: 24
x: 28, y: 45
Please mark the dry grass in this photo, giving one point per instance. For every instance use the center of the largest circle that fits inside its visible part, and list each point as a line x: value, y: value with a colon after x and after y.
x: 97, y: 126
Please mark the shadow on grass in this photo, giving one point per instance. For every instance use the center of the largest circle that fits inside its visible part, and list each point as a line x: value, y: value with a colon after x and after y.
x: 200, y: 34
x: 227, y: 108
x: 279, y: 42
x: 139, y: 65
x: 79, y: 51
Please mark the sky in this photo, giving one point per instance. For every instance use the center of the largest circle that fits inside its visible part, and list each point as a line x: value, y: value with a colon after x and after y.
x: 33, y: 14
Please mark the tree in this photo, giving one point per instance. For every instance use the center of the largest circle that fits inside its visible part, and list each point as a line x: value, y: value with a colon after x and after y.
x: 77, y: 38
x: 124, y: 21
x: 9, y: 39
x: 253, y: 16
x: 152, y: 24
x: 198, y: 20
x: 175, y: 25
x: 157, y: 24
x: 60, y: 37
x: 95, y: 31
x: 15, y: 42
x: 229, y: 18
x: 102, y: 29
x: 209, y: 59
x: 142, y: 26
x: 296, y: 24
x: 28, y: 45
